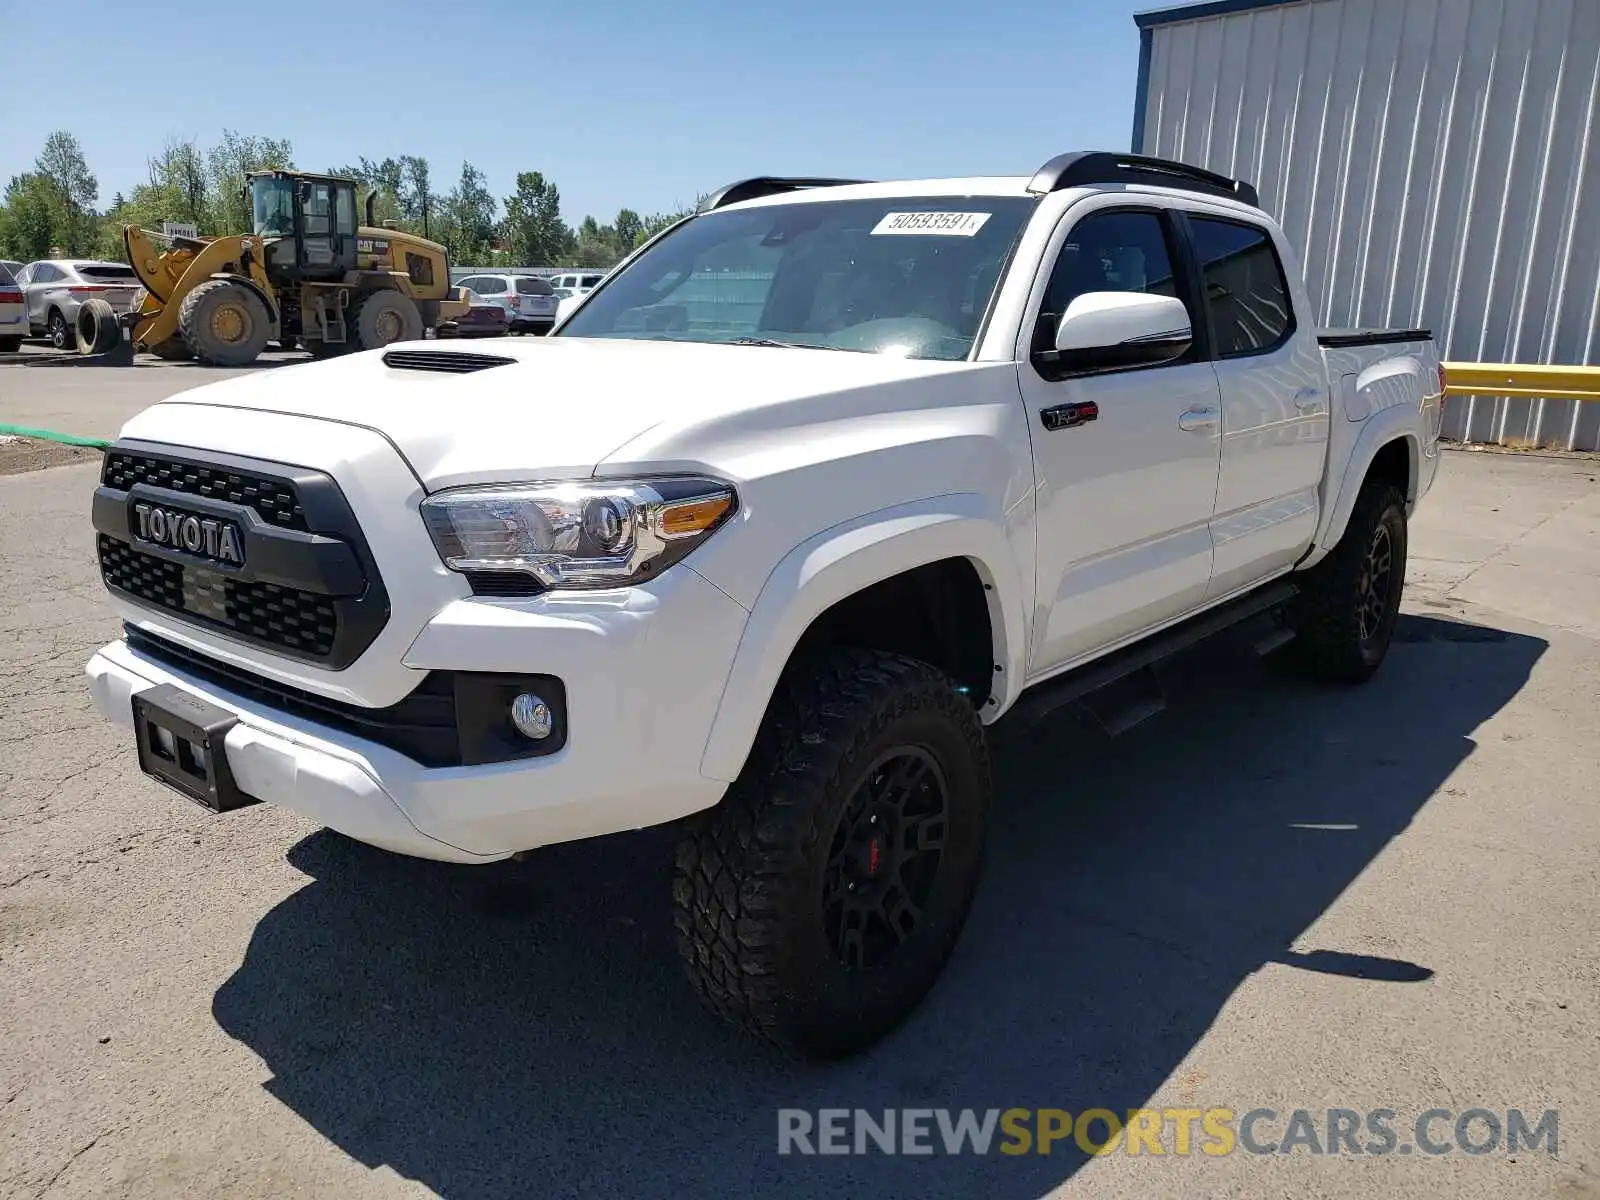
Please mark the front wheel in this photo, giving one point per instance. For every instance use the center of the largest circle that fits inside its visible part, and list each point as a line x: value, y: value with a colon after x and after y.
x: 224, y: 323
x: 818, y: 903
x: 1350, y: 602
x: 61, y: 335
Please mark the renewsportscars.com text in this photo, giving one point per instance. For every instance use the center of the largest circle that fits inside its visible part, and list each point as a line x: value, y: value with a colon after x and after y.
x: 1435, y: 1132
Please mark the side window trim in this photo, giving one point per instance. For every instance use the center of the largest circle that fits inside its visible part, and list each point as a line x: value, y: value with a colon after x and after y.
x: 1291, y: 327
x: 1187, y: 279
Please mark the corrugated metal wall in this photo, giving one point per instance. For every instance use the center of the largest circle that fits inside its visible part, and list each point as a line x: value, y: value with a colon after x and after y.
x: 1435, y: 162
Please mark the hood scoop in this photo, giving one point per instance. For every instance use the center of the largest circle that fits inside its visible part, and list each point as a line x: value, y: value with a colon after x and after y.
x: 451, y: 362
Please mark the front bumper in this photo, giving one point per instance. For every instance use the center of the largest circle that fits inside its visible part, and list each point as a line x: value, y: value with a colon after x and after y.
x: 644, y: 670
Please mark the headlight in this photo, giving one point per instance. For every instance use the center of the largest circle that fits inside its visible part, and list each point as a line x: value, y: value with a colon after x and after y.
x: 588, y: 534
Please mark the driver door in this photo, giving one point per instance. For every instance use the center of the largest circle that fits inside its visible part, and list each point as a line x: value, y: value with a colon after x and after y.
x: 1125, y: 496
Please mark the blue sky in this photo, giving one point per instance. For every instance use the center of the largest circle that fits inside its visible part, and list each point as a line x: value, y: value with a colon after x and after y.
x: 620, y: 102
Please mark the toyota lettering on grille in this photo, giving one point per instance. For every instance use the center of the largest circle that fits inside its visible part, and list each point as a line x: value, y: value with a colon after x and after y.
x: 207, y: 537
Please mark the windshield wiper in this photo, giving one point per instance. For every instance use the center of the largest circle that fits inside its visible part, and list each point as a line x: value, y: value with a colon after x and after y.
x: 766, y: 341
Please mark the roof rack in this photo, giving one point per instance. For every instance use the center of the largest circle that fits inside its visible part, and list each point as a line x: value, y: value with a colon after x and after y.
x: 1104, y: 166
x: 765, y: 185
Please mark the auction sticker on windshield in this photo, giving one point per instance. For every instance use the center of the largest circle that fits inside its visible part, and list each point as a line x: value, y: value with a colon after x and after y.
x: 944, y: 224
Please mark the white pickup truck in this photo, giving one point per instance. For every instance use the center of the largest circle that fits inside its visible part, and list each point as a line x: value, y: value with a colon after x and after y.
x: 819, y: 484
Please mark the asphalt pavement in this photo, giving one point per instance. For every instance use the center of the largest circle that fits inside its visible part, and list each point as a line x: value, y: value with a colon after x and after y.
x: 1274, y: 895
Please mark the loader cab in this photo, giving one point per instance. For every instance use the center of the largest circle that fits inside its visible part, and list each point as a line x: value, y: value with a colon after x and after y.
x: 307, y: 221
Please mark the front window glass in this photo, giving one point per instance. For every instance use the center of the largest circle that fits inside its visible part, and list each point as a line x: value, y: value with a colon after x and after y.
x: 905, y: 276
x: 273, y: 203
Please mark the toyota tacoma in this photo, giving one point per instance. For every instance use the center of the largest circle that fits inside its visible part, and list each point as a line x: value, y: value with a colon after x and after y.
x: 817, y: 486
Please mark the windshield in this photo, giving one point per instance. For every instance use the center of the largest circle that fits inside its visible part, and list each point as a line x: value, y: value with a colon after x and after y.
x: 901, y: 276
x: 273, y: 201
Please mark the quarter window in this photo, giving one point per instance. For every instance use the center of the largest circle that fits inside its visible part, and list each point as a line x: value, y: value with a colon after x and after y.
x: 1247, y: 294
x: 1116, y: 251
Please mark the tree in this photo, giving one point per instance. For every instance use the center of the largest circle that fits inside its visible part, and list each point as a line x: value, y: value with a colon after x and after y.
x: 468, y: 229
x: 28, y: 220
x: 228, y: 163
x: 385, y: 179
x: 61, y: 162
x: 630, y: 231
x: 534, y: 232
x: 417, y: 200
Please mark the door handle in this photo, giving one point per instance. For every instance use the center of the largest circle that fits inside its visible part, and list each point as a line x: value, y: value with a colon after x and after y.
x: 1308, y: 399
x: 1199, y: 420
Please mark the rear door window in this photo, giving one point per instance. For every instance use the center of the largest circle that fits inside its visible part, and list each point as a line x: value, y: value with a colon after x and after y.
x: 494, y: 285
x: 105, y: 271
x: 1247, y: 293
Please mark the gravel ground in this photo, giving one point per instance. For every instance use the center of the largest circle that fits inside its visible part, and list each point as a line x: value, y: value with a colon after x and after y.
x: 1273, y: 895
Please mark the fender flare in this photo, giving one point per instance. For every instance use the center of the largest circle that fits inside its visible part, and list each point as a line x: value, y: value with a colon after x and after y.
x: 1379, y: 430
x: 843, y: 560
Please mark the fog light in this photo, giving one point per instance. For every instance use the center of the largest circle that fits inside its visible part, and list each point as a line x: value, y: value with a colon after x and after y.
x: 531, y: 716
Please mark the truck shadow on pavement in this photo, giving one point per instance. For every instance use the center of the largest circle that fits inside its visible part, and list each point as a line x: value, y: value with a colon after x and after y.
x: 523, y: 1029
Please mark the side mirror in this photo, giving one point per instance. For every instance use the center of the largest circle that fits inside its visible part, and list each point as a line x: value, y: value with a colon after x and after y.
x: 1114, y: 331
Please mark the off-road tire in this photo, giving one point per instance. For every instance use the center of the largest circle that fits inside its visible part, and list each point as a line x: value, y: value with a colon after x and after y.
x: 97, y: 329
x: 379, y: 318
x: 59, y: 330
x: 10, y: 345
x: 224, y: 324
x: 174, y: 349
x: 751, y: 875
x: 1331, y: 641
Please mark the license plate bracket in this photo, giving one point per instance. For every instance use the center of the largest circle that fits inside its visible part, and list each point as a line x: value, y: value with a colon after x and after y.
x: 180, y: 738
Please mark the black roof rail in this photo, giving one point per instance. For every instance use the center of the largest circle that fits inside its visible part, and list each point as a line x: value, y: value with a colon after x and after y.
x: 1105, y: 166
x: 765, y: 185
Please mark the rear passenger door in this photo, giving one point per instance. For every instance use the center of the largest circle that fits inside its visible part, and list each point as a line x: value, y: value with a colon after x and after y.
x: 1125, y: 497
x: 1274, y: 405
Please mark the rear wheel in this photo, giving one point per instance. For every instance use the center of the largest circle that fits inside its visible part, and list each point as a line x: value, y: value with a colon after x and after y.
x: 379, y: 318
x: 224, y: 323
x: 10, y: 345
x: 60, y: 332
x: 1350, y: 602
x: 818, y: 903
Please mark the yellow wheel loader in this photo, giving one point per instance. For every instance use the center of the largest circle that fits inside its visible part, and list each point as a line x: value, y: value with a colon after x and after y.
x: 306, y: 275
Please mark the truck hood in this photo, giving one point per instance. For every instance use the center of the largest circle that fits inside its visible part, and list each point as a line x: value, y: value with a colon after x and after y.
x: 560, y: 406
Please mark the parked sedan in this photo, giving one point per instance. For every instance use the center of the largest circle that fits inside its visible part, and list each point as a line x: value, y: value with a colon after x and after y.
x: 56, y: 287
x: 530, y: 301
x: 13, y: 313
x: 485, y: 318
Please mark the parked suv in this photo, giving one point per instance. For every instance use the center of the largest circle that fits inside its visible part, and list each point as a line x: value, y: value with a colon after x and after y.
x: 762, y: 541
x: 56, y: 287
x: 530, y: 302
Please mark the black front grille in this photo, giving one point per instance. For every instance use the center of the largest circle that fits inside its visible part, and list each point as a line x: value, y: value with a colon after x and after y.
x: 272, y: 500
x: 318, y: 598
x: 300, y: 622
x: 450, y: 361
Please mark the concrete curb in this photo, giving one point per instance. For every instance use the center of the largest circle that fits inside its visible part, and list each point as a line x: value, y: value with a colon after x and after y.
x: 47, y: 435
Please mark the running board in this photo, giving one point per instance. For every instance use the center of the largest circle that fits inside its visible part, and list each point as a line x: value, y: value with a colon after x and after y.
x: 1144, y: 695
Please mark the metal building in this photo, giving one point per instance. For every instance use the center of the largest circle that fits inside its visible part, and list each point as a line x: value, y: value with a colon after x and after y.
x: 1435, y: 162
